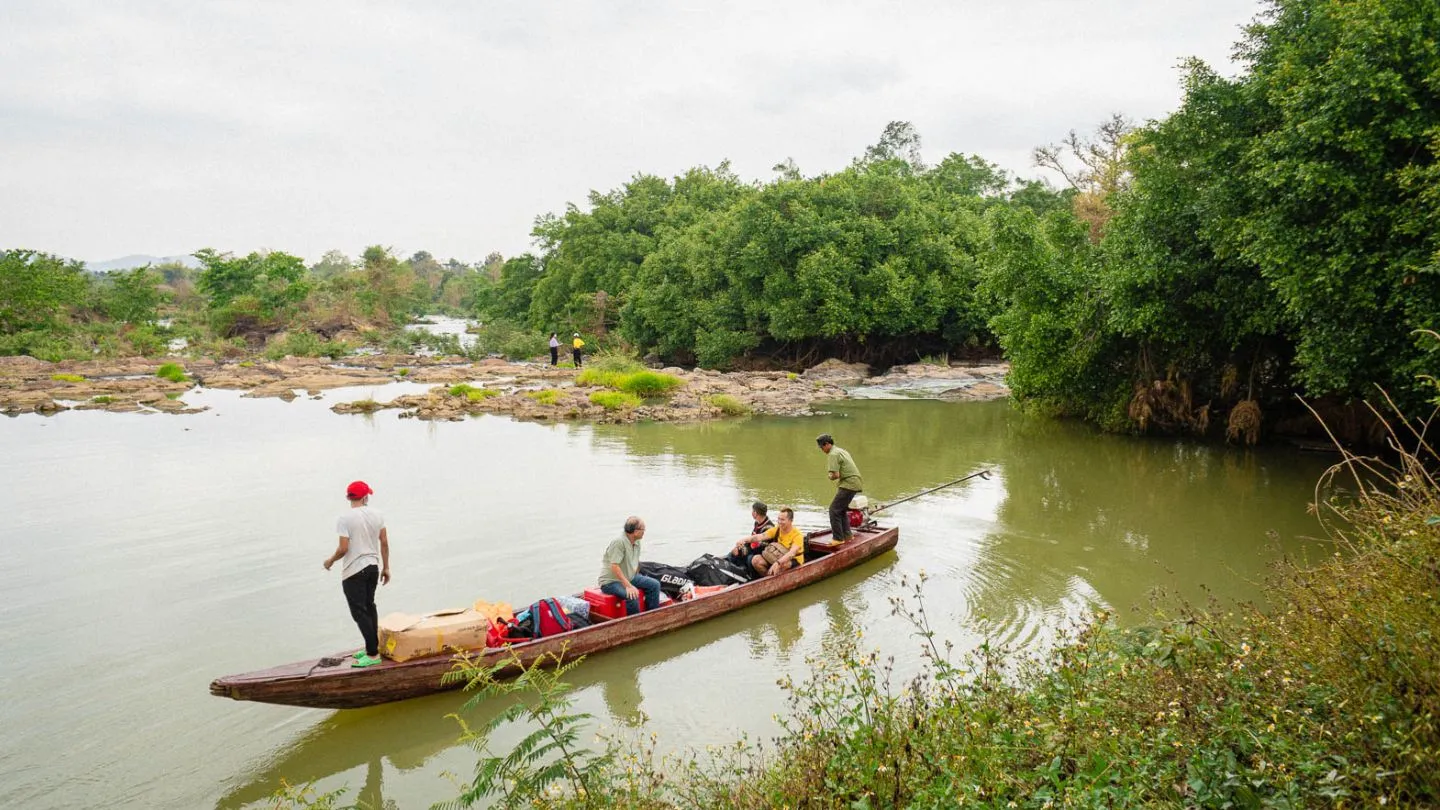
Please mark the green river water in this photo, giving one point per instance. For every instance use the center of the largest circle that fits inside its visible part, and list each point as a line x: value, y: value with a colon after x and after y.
x: 148, y: 554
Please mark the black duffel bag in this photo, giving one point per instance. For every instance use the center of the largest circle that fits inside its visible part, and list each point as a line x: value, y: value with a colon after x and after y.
x: 673, y: 579
x: 708, y: 569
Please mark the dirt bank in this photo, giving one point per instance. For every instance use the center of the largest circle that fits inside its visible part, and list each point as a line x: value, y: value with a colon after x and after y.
x: 34, y: 386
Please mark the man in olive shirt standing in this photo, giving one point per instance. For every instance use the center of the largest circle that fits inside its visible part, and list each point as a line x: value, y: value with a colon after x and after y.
x: 619, y: 569
x: 846, y: 476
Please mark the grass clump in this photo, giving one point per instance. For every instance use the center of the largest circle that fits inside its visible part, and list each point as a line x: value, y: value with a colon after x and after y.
x: 728, y: 405
x: 600, y: 377
x: 549, y: 396
x: 614, y: 400
x: 366, y: 405
x: 649, y: 383
x: 74, y: 378
x: 103, y: 399
x: 471, y: 392
x: 172, y: 372
x: 402, y: 372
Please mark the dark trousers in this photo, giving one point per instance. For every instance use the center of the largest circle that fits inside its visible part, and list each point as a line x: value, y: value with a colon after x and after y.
x: 649, y: 590
x: 575, y: 353
x: 839, y: 520
x: 554, y: 355
x: 360, y: 595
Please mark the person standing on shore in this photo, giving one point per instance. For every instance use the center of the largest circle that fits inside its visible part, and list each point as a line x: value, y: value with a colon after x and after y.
x: 365, y: 548
x: 575, y: 346
x: 846, y: 475
x: 554, y: 348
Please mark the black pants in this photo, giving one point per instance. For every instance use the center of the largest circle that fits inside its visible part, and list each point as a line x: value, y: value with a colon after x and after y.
x: 839, y: 520
x: 576, y: 354
x: 360, y: 595
x: 554, y: 355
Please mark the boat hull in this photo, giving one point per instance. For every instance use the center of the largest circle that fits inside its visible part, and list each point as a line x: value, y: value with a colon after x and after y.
x: 340, y: 686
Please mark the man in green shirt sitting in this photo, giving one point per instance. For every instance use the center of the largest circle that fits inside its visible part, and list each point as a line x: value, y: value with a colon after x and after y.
x: 846, y: 476
x: 619, y: 570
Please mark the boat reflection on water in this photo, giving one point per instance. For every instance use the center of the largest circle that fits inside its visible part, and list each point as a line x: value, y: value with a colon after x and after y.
x: 410, y: 733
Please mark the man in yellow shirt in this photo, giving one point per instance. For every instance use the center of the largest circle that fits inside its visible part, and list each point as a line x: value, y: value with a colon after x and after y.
x: 575, y: 346
x: 786, y: 537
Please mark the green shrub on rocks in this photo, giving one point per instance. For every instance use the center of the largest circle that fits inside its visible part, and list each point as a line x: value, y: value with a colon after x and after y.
x: 547, y: 397
x: 306, y: 344
x: 74, y: 378
x: 600, y: 377
x: 728, y: 405
x: 649, y: 383
x: 614, y: 400
x: 172, y: 372
x: 471, y: 392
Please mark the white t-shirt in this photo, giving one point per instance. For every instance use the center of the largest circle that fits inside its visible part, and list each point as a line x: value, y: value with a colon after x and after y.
x: 362, y: 525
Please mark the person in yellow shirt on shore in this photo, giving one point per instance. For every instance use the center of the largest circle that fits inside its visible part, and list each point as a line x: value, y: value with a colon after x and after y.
x: 785, y: 547
x: 575, y: 346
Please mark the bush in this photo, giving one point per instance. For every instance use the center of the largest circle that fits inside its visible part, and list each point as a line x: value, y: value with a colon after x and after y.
x: 649, y: 383
x: 172, y: 372
x: 615, y: 361
x: 305, y: 344
x: 51, y: 346
x: 599, y: 377
x: 728, y: 405
x: 549, y: 396
x: 509, y: 340
x: 145, y: 341
x: 472, y: 393
x: 614, y: 400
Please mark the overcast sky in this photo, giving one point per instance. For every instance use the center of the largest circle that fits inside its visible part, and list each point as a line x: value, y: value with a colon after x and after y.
x: 139, y: 126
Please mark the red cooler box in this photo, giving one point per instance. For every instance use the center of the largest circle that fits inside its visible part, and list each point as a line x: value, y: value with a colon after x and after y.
x: 606, y: 606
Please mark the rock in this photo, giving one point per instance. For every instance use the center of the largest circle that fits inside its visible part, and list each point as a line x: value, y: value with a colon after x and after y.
x: 836, y: 370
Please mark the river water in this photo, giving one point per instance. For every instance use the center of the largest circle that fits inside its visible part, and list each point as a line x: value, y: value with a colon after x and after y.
x: 147, y: 554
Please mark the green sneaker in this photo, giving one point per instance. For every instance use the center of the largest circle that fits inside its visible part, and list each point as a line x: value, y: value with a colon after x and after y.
x: 363, y: 660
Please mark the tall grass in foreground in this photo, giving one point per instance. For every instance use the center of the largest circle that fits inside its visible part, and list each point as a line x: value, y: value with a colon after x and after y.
x: 1327, y: 697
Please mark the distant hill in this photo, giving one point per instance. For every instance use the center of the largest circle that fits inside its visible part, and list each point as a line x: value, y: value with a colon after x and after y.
x: 138, y: 260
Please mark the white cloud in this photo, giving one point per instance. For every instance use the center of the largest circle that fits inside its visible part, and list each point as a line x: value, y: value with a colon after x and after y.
x: 163, y: 127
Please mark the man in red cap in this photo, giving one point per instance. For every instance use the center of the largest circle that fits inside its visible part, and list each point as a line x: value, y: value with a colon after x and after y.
x: 365, y: 547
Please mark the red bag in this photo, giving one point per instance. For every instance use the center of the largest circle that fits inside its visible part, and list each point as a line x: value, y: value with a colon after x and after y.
x: 549, y: 618
x: 500, y: 634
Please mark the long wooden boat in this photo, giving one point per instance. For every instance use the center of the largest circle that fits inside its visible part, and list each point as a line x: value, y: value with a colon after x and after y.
x: 330, y: 683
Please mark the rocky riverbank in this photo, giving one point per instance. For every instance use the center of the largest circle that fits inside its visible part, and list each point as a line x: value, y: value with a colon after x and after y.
x: 523, y: 390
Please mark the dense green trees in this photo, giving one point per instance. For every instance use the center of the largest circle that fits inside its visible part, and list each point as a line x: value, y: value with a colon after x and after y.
x: 37, y: 289
x: 879, y: 261
x: 1280, y: 232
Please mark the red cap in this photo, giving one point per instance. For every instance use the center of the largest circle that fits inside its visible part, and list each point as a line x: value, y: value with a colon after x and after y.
x: 358, y: 490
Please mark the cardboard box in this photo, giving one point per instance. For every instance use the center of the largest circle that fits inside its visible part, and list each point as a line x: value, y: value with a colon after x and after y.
x: 405, y: 636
